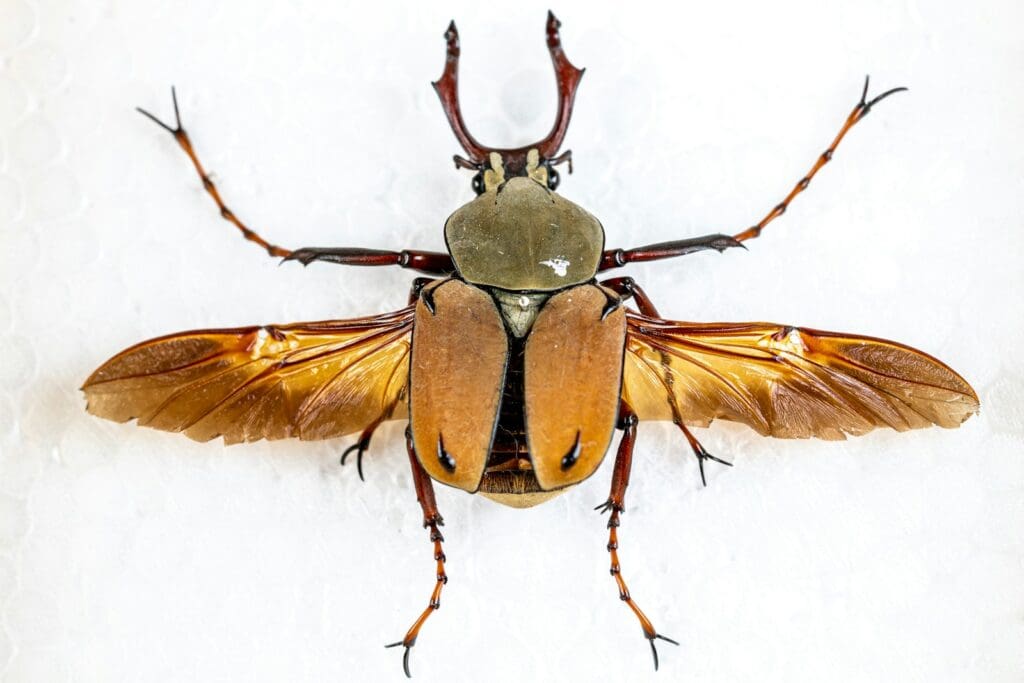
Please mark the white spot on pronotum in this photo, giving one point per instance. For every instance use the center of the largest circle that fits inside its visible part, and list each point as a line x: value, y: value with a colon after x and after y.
x: 559, y: 265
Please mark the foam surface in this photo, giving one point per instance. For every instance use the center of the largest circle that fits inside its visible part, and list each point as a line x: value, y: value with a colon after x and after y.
x: 133, y: 555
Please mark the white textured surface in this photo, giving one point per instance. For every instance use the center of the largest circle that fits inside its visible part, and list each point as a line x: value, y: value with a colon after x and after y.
x: 133, y: 555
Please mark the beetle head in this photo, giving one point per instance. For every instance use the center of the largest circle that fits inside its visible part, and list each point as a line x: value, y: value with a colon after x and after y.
x: 537, y: 160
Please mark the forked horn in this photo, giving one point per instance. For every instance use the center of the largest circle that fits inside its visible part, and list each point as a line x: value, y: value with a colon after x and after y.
x: 514, y: 160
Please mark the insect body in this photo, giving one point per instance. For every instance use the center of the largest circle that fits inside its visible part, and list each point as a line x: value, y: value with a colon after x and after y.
x: 513, y: 363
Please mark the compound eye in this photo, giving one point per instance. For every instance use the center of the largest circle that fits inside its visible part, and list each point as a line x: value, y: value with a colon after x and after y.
x: 478, y: 183
x: 553, y: 178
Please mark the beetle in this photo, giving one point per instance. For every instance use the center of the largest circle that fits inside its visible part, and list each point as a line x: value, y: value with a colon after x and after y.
x: 513, y: 364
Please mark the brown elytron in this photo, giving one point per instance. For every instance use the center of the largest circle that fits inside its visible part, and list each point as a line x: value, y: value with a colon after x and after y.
x: 459, y: 341
x: 512, y: 364
x: 569, y: 422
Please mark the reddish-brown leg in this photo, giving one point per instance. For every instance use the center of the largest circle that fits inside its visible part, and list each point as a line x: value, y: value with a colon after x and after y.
x: 429, y: 262
x: 433, y: 263
x: 627, y: 287
x: 699, y: 451
x: 615, y: 503
x: 619, y: 257
x: 361, y: 446
x: 616, y: 258
x: 417, y: 286
x: 432, y: 519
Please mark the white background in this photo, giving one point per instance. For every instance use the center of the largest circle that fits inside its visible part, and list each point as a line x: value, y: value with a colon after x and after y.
x: 133, y: 555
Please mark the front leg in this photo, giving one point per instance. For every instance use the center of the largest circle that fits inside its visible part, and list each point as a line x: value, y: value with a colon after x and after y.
x: 432, y: 519
x: 615, y: 503
x: 432, y: 263
x: 616, y: 258
x: 429, y: 262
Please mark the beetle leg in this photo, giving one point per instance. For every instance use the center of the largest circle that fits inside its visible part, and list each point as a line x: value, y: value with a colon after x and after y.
x: 361, y: 446
x: 616, y: 258
x: 181, y: 137
x: 860, y: 110
x: 429, y: 262
x: 417, y: 286
x: 620, y: 480
x: 434, y: 263
x: 627, y: 287
x: 432, y: 519
x: 700, y: 452
x: 620, y: 257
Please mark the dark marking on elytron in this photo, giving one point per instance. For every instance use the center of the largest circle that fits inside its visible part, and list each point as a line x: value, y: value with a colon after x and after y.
x: 570, y: 458
x: 428, y: 301
x: 443, y: 456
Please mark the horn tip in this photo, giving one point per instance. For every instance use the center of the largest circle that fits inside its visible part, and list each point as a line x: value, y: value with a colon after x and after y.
x: 451, y: 33
x: 553, y: 24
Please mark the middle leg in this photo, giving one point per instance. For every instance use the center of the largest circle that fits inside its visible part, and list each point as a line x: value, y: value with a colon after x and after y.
x: 363, y: 444
x: 699, y: 451
x: 627, y: 287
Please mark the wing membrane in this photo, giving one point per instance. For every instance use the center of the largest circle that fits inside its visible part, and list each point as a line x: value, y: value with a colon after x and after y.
x: 786, y: 381
x: 308, y: 380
